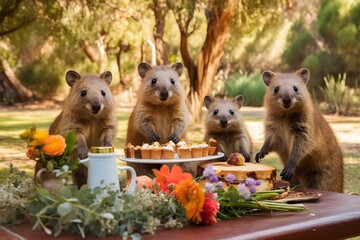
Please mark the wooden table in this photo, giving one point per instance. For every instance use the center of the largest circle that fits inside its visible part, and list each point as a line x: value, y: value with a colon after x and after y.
x: 333, y: 216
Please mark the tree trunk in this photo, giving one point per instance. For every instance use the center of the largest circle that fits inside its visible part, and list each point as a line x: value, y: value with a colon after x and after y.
x: 219, y: 24
x: 21, y: 92
x: 160, y: 10
x: 122, y: 47
x: 96, y: 54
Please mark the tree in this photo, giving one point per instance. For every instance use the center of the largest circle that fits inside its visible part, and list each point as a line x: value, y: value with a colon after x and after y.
x: 160, y: 10
x: 219, y: 15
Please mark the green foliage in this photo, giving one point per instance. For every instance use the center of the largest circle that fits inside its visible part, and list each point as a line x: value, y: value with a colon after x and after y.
x: 329, y: 20
x: 321, y: 64
x: 102, y: 211
x: 250, y: 86
x: 332, y: 47
x: 337, y: 94
x: 15, y: 187
x: 42, y: 76
x: 300, y: 43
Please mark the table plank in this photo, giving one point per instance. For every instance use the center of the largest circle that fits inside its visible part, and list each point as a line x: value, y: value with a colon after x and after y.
x: 333, y: 216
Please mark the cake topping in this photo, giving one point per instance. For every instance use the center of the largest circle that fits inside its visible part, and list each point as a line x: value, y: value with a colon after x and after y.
x: 236, y: 159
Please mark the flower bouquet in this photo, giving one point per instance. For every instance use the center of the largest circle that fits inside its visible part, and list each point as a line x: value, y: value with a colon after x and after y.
x: 52, y: 152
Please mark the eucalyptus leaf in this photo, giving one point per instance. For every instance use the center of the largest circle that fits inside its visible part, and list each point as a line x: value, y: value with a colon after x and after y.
x: 64, y: 208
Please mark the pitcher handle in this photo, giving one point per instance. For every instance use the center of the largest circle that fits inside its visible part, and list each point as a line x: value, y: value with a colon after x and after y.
x: 85, y: 161
x: 132, y: 186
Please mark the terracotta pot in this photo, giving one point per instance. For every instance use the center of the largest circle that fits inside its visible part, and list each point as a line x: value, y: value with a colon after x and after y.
x: 47, y: 179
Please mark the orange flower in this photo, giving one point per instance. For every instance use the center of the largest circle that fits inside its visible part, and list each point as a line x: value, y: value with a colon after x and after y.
x: 38, y: 138
x: 210, y: 209
x: 32, y: 153
x: 168, y: 179
x: 54, y: 145
x: 190, y: 194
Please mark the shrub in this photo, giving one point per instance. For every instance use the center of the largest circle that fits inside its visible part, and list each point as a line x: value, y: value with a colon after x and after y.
x: 43, y: 78
x: 251, y: 86
x: 337, y: 94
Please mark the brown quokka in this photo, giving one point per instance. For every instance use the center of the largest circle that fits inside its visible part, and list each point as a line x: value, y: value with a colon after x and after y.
x: 160, y: 113
x: 225, y: 124
x: 89, y: 111
x: 299, y: 134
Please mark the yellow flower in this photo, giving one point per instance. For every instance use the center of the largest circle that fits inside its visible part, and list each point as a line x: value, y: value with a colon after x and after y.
x: 38, y: 138
x: 26, y: 134
x: 54, y: 145
x: 190, y: 194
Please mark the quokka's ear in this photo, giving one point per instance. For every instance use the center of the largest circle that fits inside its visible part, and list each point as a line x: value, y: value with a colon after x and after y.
x: 143, y: 68
x: 208, y: 100
x: 71, y: 77
x: 267, y: 77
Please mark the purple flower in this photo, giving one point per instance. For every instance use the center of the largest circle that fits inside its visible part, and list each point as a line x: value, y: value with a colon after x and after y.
x: 230, y: 178
x: 244, y: 191
x: 209, y: 187
x: 250, y: 181
x: 258, y: 182
x: 208, y: 171
x: 220, y: 184
x: 213, y: 177
x: 252, y: 189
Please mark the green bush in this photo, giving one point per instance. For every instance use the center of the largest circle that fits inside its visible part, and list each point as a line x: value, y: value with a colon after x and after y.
x: 322, y: 64
x: 42, y: 77
x: 250, y: 86
x: 337, y: 94
x: 299, y: 45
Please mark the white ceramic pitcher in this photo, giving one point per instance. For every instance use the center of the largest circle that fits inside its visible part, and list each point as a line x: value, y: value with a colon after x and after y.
x: 101, y: 163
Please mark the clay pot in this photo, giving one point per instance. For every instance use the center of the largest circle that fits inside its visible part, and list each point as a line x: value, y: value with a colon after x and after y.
x: 47, y: 179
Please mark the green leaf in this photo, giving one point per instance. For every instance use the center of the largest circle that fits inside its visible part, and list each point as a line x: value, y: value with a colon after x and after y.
x: 64, y: 208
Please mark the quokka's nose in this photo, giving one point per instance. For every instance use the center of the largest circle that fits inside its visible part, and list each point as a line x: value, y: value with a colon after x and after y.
x: 287, y: 102
x: 164, y: 95
x: 223, y: 122
x: 95, y: 108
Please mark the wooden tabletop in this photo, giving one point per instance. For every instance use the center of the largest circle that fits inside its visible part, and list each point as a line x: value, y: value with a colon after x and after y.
x: 333, y: 216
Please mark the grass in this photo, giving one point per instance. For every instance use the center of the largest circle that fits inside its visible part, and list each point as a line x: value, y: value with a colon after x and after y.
x: 13, y: 122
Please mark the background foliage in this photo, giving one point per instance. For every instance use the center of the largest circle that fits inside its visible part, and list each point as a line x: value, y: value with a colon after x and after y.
x: 92, y: 36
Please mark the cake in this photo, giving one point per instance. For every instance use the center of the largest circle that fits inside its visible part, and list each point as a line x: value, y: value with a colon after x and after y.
x: 168, y: 151
x: 205, y: 149
x: 213, y: 147
x: 265, y: 173
x: 137, y: 152
x: 156, y: 150
x: 196, y: 151
x: 129, y: 151
x: 184, y: 152
x: 145, y: 151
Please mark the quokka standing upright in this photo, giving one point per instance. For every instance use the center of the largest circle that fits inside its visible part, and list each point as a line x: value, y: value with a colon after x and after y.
x: 160, y: 114
x: 299, y: 134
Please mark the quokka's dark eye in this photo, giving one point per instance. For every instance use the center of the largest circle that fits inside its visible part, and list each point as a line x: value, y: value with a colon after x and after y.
x: 276, y: 89
x: 295, y: 89
x: 103, y: 93
x: 172, y: 81
x: 216, y: 112
x: 83, y: 93
x: 153, y: 81
x: 231, y: 112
